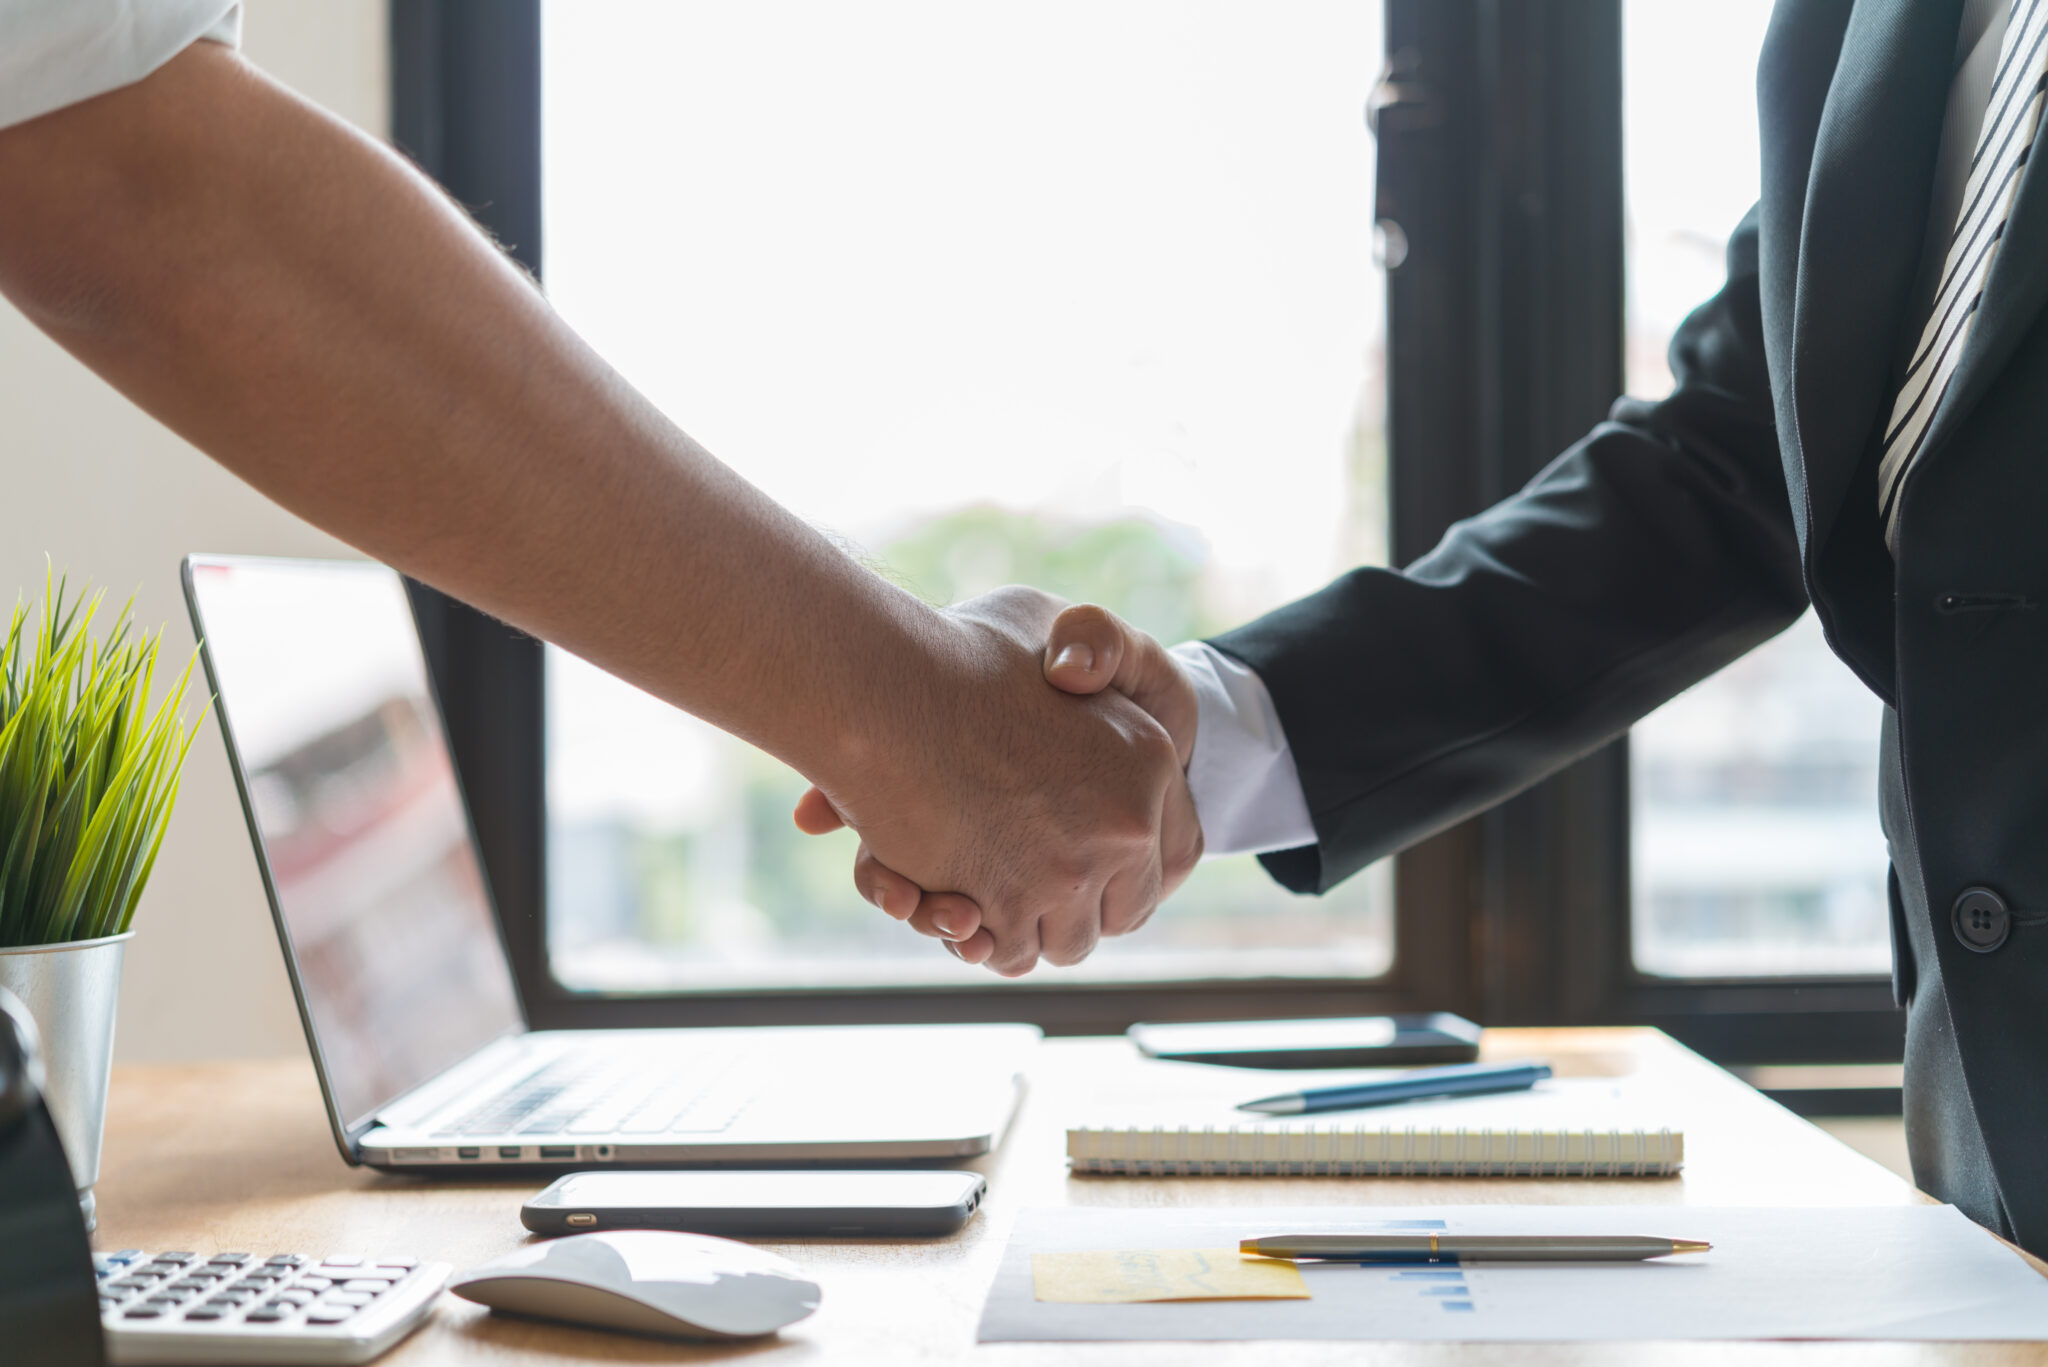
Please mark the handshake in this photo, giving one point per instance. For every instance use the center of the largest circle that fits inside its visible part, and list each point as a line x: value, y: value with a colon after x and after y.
x: 1025, y: 794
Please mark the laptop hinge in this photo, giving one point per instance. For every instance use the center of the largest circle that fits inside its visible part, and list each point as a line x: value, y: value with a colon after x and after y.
x: 410, y: 1108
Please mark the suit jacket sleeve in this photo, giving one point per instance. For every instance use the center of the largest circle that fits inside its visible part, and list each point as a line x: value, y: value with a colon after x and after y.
x: 1648, y: 555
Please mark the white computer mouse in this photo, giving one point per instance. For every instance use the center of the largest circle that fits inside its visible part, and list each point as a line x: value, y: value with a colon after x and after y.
x: 649, y: 1281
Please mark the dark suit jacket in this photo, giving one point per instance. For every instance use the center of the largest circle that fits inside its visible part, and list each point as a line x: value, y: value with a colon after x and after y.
x: 1680, y: 534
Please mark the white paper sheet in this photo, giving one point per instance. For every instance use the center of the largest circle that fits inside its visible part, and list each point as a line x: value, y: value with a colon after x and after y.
x: 1894, y: 1272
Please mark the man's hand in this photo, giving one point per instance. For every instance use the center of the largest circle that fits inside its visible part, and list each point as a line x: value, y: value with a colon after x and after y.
x: 1087, y: 650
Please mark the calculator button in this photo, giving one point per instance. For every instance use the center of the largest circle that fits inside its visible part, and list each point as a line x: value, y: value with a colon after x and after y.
x: 207, y: 1312
x: 406, y: 1264
x: 345, y: 1298
x: 109, y: 1302
x: 190, y: 1284
x: 294, y: 1296
x: 232, y: 1297
x: 286, y: 1260
x: 313, y: 1283
x: 373, y: 1287
x: 319, y: 1315
x: 177, y: 1258
x: 268, y: 1314
x: 135, y: 1283
x: 143, y: 1312
x: 176, y: 1298
x: 342, y: 1260
x: 251, y: 1284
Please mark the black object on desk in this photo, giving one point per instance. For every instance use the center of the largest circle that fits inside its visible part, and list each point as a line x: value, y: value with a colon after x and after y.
x: 1340, y: 1042
x: 48, y: 1296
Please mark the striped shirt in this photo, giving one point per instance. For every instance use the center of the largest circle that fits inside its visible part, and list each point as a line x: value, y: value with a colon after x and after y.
x: 2011, y: 120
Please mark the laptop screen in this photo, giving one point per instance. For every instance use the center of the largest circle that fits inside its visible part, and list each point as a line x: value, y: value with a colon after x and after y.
x: 358, y: 820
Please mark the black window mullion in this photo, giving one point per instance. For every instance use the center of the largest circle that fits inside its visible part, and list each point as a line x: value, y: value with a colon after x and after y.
x: 1429, y: 132
x: 465, y: 106
x: 1502, y: 171
x: 1551, y: 336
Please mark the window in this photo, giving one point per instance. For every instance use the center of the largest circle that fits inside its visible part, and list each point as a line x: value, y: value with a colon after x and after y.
x: 1756, y: 848
x: 1087, y: 303
x: 1065, y: 294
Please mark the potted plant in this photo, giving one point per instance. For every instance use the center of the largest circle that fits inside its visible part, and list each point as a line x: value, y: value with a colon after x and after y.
x: 88, y: 775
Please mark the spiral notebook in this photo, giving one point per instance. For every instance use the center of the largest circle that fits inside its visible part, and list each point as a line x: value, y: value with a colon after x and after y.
x: 1569, y: 1128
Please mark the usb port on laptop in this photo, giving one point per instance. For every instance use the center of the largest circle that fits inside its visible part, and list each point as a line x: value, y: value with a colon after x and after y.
x: 557, y: 1151
x: 509, y: 1152
x: 469, y: 1152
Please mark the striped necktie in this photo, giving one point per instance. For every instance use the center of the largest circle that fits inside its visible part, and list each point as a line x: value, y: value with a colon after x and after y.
x: 2011, y: 120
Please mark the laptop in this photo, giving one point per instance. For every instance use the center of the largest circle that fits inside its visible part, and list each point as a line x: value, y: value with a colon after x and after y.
x: 424, y: 1055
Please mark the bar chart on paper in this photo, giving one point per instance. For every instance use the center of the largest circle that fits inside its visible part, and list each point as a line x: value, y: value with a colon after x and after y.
x: 1442, y: 1288
x: 1891, y: 1272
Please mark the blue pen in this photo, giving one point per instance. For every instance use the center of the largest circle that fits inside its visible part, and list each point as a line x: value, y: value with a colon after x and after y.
x: 1462, y: 1079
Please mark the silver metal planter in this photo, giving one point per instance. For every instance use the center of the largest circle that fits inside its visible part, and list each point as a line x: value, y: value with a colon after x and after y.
x: 72, y: 990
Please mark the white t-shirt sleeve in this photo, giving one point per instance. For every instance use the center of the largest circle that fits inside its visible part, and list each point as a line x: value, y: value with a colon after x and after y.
x: 1247, y: 791
x: 58, y: 52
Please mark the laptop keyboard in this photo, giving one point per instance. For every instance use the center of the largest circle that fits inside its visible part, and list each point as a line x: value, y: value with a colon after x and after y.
x: 606, y: 1092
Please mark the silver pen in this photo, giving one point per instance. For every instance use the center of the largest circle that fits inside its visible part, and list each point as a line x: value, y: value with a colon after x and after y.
x: 1467, y: 1248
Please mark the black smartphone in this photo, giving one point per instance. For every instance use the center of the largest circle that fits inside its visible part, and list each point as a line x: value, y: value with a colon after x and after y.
x: 794, y: 1203
x: 1339, y: 1042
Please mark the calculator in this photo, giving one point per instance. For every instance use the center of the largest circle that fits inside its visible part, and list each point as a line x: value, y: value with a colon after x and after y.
x: 283, y: 1309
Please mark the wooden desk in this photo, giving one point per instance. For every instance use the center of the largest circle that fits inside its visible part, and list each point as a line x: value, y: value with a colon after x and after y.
x: 238, y: 1155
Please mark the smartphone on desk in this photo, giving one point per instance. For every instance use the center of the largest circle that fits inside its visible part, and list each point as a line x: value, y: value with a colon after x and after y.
x: 767, y: 1203
x: 1343, y: 1042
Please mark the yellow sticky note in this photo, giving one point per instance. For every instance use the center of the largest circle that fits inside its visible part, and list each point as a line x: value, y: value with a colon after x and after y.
x: 1163, y: 1274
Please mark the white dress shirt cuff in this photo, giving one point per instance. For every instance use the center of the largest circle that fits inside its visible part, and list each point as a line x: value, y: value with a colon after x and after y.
x: 1247, y: 792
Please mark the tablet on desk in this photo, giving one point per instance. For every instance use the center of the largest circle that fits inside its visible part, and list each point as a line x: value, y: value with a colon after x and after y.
x: 1338, y: 1042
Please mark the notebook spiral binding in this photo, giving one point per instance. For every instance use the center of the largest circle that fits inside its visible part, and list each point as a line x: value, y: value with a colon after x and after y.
x: 1350, y: 1151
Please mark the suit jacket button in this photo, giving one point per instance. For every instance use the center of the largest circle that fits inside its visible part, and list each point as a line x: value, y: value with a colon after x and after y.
x: 1981, y: 920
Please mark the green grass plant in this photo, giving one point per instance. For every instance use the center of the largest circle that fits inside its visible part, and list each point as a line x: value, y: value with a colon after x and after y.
x: 88, y: 770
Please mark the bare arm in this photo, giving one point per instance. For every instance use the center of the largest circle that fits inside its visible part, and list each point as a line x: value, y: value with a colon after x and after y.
x: 304, y: 307
x: 308, y: 310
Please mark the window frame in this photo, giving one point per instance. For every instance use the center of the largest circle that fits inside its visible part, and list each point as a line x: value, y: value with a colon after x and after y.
x: 1500, y: 159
